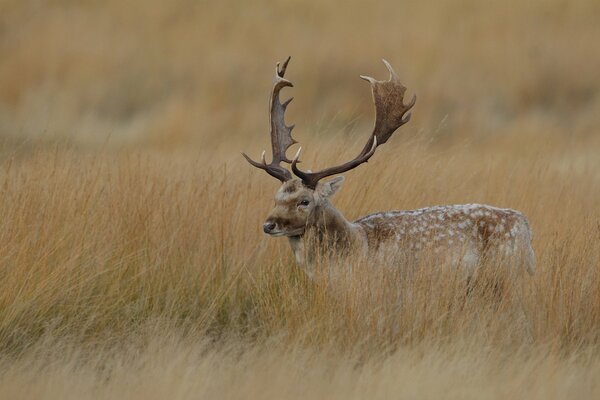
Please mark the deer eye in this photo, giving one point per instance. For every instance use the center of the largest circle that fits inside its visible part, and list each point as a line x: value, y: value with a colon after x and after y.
x: 304, y: 203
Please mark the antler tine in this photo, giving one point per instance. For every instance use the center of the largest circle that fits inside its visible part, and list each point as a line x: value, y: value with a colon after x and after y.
x: 281, y: 134
x: 390, y: 114
x: 393, y: 75
x: 281, y: 72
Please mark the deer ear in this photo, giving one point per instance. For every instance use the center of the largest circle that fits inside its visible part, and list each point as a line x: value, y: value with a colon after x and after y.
x: 329, y: 188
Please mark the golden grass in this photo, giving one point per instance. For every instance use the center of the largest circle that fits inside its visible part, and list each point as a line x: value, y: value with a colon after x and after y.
x: 135, y: 269
x: 131, y: 259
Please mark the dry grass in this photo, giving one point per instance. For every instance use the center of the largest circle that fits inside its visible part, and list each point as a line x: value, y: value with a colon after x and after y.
x: 131, y: 263
x: 124, y: 274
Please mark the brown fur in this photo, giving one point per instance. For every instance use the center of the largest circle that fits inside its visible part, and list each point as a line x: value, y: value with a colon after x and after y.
x: 460, y: 234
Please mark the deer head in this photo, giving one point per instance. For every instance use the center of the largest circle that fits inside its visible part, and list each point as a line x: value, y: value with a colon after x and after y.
x: 303, y: 201
x: 298, y: 206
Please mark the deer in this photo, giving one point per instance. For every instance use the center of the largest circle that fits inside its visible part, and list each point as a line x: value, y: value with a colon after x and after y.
x: 455, y: 234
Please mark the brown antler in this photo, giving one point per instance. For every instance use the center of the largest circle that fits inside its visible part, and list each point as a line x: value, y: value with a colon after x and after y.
x: 281, y: 134
x: 390, y: 114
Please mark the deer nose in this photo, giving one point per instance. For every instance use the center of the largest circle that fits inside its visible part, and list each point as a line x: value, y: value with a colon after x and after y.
x: 268, y: 227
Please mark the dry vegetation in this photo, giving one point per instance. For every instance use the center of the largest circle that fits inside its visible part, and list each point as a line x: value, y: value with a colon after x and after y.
x: 131, y: 263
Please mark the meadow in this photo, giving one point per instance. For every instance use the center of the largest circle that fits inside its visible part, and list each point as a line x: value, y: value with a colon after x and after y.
x: 132, y: 262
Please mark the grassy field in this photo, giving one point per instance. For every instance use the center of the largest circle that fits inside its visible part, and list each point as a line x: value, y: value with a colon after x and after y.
x: 132, y: 263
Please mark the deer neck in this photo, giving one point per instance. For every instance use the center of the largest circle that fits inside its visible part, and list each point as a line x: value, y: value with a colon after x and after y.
x: 326, y: 231
x: 329, y: 227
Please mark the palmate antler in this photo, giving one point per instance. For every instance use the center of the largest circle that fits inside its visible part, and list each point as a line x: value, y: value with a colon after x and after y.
x: 281, y: 134
x: 390, y: 114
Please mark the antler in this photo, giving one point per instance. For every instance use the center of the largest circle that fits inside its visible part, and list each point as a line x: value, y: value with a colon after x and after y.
x: 390, y: 114
x: 281, y: 134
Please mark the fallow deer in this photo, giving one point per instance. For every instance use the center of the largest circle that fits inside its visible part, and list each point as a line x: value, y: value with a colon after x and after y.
x: 459, y: 234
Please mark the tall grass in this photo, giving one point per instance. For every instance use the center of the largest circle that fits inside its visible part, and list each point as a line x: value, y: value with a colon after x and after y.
x: 109, y: 259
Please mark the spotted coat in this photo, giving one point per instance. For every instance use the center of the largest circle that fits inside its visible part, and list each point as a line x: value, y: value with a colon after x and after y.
x: 461, y: 233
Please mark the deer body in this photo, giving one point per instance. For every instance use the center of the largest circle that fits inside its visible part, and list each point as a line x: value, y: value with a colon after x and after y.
x: 454, y: 234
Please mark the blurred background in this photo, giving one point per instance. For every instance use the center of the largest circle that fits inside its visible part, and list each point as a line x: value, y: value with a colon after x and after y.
x: 129, y: 218
x: 193, y: 74
x: 196, y: 75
